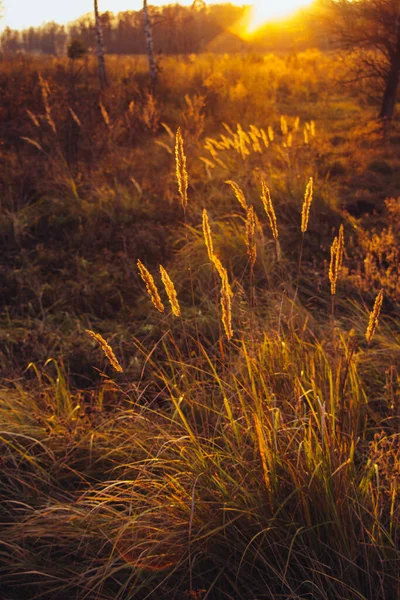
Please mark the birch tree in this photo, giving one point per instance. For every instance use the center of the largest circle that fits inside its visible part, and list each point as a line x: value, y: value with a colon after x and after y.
x: 100, y: 47
x: 149, y: 44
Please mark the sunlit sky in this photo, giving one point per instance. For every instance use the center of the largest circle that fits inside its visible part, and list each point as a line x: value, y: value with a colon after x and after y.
x: 20, y: 14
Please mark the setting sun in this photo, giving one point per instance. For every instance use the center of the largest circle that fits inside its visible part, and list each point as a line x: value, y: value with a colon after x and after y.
x: 262, y: 12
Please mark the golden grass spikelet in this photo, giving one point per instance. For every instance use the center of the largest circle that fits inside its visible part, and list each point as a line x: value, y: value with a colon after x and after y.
x: 337, y: 250
x: 261, y: 449
x: 269, y: 209
x: 171, y: 292
x: 250, y: 236
x: 240, y: 197
x: 150, y: 286
x: 75, y: 117
x: 374, y: 317
x: 305, y: 211
x: 340, y: 251
x: 207, y: 235
x: 33, y: 118
x: 104, y: 114
x: 226, y: 305
x: 108, y: 351
x: 181, y: 170
x: 284, y: 127
x: 264, y: 138
x: 222, y: 272
x: 332, y: 266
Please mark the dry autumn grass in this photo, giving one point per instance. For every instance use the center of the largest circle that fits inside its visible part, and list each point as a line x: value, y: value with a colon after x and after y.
x: 245, y: 444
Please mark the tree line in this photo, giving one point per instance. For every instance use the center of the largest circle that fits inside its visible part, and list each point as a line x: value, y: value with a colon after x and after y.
x: 176, y: 29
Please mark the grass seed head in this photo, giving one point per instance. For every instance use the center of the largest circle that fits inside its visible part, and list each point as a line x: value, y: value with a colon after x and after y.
x: 269, y: 209
x: 108, y: 351
x: 337, y: 250
x: 150, y: 286
x: 374, y: 317
x: 181, y: 170
x: 171, y: 292
x: 250, y: 236
x: 226, y: 306
x: 305, y: 212
x: 240, y: 197
x: 207, y: 235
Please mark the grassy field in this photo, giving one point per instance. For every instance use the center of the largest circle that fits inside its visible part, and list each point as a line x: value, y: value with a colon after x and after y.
x: 225, y: 427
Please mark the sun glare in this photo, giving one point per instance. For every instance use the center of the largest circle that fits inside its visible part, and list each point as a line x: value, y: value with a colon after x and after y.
x: 266, y: 11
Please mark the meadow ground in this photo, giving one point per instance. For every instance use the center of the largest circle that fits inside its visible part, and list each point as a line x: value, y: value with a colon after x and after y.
x: 239, y: 439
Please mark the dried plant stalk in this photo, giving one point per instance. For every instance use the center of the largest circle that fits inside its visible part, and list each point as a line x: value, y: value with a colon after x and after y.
x: 238, y: 193
x: 150, y: 286
x: 269, y: 209
x: 305, y: 212
x: 33, y: 118
x: 374, y: 317
x: 226, y: 305
x: 181, y: 170
x: 261, y: 449
x: 45, y: 89
x: 104, y: 114
x: 337, y: 250
x: 171, y: 292
x: 207, y: 235
x: 250, y: 236
x: 108, y: 351
x: 222, y: 272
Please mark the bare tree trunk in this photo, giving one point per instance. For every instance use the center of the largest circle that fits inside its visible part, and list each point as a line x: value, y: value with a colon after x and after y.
x: 390, y: 95
x: 149, y: 44
x: 392, y: 81
x: 100, y: 47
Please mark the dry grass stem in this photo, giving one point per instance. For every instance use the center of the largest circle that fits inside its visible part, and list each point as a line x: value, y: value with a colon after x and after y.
x: 269, y: 209
x: 150, y: 286
x: 108, y: 351
x: 374, y: 317
x: 226, y: 305
x: 238, y: 193
x: 337, y: 250
x: 222, y: 272
x: 305, y: 212
x: 207, y: 235
x: 181, y: 170
x: 171, y: 292
x: 261, y: 449
x: 250, y: 236
x: 104, y: 114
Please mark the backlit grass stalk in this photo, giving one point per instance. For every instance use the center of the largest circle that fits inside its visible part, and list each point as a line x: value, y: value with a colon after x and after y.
x: 269, y: 209
x: 171, y: 292
x: 207, y: 235
x: 337, y: 250
x: 374, y: 317
x: 108, y: 351
x: 150, y: 287
x: 240, y: 197
x: 226, y: 306
x: 251, y: 248
x: 181, y: 170
x: 305, y: 215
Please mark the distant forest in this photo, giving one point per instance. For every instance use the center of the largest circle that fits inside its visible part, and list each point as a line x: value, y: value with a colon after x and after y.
x: 176, y: 29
